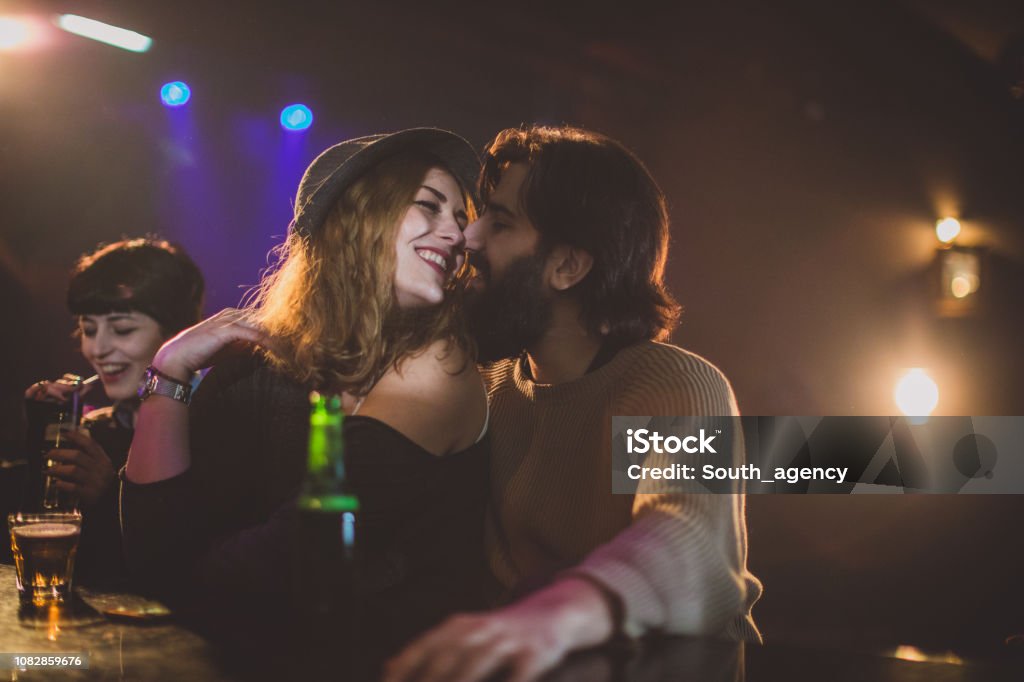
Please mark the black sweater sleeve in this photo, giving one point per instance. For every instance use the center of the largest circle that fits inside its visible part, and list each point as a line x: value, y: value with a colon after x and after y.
x: 222, y: 528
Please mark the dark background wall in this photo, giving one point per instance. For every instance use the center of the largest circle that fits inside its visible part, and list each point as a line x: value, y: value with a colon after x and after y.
x: 806, y: 150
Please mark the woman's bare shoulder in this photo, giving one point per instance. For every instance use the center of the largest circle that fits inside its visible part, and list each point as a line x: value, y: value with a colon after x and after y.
x: 436, y: 398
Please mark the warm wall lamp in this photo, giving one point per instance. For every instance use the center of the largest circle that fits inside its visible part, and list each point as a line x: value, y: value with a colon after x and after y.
x: 960, y: 271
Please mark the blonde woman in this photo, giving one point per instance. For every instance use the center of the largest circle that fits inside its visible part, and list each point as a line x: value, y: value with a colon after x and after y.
x: 364, y: 302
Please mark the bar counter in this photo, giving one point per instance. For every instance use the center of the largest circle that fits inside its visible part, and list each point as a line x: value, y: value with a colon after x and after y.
x: 120, y: 648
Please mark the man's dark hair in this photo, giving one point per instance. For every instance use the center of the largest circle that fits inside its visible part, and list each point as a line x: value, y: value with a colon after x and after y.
x: 587, y: 191
x: 151, y: 276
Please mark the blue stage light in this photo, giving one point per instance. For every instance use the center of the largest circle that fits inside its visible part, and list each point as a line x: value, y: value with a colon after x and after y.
x: 296, y: 117
x: 175, y: 94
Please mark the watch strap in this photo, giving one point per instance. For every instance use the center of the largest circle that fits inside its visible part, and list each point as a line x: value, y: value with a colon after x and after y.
x: 158, y: 383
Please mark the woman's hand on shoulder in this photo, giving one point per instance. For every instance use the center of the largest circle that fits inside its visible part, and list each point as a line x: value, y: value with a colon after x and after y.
x: 197, y: 347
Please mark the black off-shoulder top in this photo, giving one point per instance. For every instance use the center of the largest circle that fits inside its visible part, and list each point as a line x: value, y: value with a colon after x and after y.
x: 224, y: 526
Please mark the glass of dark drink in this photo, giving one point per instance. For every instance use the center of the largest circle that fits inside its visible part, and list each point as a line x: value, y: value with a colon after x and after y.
x: 44, y: 547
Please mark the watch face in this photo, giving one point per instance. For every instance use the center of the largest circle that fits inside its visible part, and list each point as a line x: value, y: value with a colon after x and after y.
x: 148, y: 384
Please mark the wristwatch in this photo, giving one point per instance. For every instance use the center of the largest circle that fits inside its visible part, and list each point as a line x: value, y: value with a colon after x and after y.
x: 158, y: 383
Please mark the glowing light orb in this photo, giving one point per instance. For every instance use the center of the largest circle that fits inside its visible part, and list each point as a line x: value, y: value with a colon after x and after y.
x: 960, y: 287
x: 14, y: 33
x: 947, y: 230
x: 23, y: 33
x: 175, y: 94
x: 296, y: 117
x: 916, y: 394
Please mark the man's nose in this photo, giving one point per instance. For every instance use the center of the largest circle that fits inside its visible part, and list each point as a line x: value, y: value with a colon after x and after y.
x: 474, y: 235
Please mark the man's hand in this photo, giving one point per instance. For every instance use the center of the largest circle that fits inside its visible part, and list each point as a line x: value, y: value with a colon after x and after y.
x: 525, y: 639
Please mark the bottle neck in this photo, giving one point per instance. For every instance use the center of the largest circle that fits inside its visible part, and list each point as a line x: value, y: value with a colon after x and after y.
x: 325, y: 488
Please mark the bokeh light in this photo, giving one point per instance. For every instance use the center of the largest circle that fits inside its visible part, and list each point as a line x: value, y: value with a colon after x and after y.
x: 296, y: 117
x: 175, y: 94
x: 20, y: 33
x: 960, y: 287
x: 916, y: 394
x: 947, y: 230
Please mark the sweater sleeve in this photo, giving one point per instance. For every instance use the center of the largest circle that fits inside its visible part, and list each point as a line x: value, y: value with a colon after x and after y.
x: 223, y: 527
x: 680, y: 567
x: 155, y: 522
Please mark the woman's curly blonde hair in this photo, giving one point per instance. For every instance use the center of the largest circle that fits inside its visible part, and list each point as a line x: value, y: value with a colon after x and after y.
x: 329, y: 299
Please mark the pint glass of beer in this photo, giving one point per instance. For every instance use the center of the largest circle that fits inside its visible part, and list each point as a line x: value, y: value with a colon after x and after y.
x: 44, y: 547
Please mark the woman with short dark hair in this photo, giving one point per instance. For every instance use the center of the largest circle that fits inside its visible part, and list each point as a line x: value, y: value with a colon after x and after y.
x: 127, y: 297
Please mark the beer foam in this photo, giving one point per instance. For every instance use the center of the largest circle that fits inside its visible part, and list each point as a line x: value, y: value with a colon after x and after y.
x: 46, y: 530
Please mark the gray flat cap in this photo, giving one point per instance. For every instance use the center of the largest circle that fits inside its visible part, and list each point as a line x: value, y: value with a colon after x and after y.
x: 339, y: 166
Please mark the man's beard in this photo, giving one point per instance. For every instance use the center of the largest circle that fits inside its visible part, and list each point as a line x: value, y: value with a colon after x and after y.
x: 511, y: 314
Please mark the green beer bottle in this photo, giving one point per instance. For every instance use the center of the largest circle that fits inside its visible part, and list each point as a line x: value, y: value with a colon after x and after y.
x: 327, y: 509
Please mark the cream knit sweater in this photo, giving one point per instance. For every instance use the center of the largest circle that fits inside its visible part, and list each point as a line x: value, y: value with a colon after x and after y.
x: 677, y: 561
